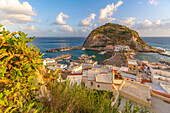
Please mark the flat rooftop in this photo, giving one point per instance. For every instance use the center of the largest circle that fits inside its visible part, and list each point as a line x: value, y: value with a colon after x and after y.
x: 133, y: 62
x: 166, y: 87
x: 164, y: 73
x: 104, y: 78
x: 136, y: 90
x: 127, y: 75
x: 91, y: 74
x: 157, y: 87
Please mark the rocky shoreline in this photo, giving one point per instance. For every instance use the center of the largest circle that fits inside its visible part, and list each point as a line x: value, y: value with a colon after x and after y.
x: 165, y: 62
x: 153, y: 50
x: 164, y: 54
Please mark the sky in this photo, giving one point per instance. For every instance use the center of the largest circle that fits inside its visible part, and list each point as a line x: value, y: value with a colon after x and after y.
x: 77, y: 18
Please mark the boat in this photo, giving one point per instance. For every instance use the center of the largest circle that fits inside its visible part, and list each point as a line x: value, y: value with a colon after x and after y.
x: 84, y: 56
x: 68, y: 61
x: 67, y: 57
x: 66, y: 49
x: 102, y: 52
x: 93, y: 56
x: 83, y: 48
x: 80, y: 58
x: 59, y: 60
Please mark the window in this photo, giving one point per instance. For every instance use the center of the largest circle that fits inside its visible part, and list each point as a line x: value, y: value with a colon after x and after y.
x: 134, y: 66
x: 98, y: 86
x: 91, y: 83
x: 130, y: 68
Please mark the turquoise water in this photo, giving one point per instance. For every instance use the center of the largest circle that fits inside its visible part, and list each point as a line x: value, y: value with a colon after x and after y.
x: 46, y: 43
x: 157, y: 42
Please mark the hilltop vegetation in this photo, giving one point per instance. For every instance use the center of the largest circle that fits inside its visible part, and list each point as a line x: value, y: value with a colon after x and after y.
x: 114, y: 34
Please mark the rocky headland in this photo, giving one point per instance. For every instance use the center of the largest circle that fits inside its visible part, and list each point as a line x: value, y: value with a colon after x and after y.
x: 115, y: 34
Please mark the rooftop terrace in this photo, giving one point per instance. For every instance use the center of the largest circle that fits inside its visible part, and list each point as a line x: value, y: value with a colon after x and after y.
x: 136, y: 92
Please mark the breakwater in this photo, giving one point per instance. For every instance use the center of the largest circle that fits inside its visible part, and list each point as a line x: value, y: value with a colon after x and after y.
x: 63, y: 49
x: 164, y: 54
x: 62, y: 57
x: 165, y: 62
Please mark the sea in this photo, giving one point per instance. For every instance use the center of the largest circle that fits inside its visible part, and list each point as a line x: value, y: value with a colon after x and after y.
x: 46, y: 43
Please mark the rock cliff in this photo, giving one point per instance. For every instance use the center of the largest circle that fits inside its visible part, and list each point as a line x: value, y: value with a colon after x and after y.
x: 115, y: 34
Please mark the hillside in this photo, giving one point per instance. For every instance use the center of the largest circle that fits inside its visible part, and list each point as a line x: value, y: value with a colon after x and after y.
x: 115, y: 34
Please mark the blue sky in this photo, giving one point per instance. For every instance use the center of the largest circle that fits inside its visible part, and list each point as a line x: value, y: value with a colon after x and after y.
x: 76, y: 18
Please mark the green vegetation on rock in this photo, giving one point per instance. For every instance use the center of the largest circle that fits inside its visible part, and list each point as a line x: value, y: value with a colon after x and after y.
x: 114, y: 34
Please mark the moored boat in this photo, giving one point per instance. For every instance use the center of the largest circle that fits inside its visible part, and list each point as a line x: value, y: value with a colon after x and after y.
x: 102, y: 52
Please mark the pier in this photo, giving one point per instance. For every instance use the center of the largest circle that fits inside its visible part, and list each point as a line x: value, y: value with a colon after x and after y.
x: 63, y: 56
x: 62, y: 49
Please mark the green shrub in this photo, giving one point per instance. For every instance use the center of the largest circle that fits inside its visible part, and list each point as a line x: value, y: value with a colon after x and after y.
x: 75, y: 99
x: 18, y: 67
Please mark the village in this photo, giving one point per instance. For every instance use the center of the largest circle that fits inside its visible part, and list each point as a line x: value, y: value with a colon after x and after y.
x: 140, y: 81
x: 145, y: 83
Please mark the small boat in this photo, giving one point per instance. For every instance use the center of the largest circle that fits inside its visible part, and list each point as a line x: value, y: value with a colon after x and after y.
x: 102, y: 52
x: 80, y: 58
x: 59, y: 60
x: 68, y: 61
x: 68, y: 57
x: 83, y: 48
x: 93, y: 56
x: 65, y: 49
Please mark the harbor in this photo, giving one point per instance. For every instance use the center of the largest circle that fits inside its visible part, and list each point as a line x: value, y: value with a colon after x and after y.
x: 124, y: 75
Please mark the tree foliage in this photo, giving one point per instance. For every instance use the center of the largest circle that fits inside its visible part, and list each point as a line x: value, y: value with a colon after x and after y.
x: 18, y: 67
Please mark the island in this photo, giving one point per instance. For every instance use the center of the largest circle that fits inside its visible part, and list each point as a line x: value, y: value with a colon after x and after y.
x: 115, y: 34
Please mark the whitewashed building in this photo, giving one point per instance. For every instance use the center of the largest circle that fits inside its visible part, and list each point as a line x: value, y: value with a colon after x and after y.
x: 160, y: 76
x: 48, y: 60
x: 75, y: 78
x: 100, y: 78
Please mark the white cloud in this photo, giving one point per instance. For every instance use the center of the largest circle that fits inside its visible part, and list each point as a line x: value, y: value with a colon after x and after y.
x: 166, y: 20
x: 14, y: 12
x: 66, y: 28
x: 108, y: 11
x: 154, y: 2
x: 128, y: 21
x: 86, y: 21
x: 39, y: 21
x: 29, y: 28
x: 140, y: 2
x: 59, y: 19
x: 153, y: 28
x: 146, y: 24
x: 54, y: 31
x: 95, y: 25
x: 86, y: 30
